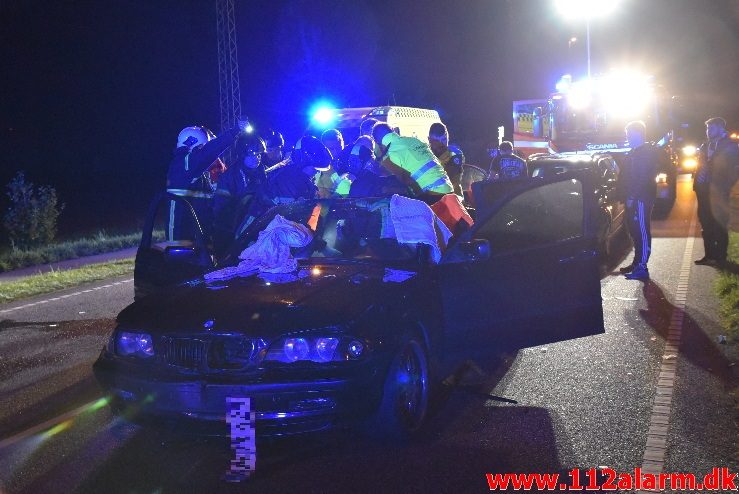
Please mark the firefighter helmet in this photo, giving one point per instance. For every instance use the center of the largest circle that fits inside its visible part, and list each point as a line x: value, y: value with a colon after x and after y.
x: 275, y: 139
x: 191, y: 137
x: 309, y: 151
x: 249, y: 145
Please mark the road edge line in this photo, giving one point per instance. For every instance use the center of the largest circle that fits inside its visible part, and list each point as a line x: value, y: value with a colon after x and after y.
x: 653, y: 461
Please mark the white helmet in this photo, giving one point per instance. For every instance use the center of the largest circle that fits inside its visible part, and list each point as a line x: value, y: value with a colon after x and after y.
x: 191, y: 137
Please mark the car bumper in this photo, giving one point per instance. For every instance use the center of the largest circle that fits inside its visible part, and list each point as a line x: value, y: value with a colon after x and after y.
x: 280, y: 408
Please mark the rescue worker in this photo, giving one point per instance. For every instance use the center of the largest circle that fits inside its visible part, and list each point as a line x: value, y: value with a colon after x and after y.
x: 717, y: 173
x: 506, y: 165
x: 365, y: 128
x: 413, y: 162
x: 330, y: 182
x: 640, y: 189
x: 372, y: 179
x: 451, y: 158
x: 275, y: 151
x: 237, y: 188
x: 188, y: 176
x: 291, y: 182
x: 296, y: 180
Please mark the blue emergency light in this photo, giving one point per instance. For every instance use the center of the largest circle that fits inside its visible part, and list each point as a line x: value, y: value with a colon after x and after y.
x: 323, y: 114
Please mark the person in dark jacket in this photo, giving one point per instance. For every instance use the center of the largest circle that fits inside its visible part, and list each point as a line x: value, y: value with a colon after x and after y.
x: 640, y: 189
x: 506, y: 165
x: 188, y: 176
x: 291, y: 182
x: 237, y: 188
x: 717, y: 173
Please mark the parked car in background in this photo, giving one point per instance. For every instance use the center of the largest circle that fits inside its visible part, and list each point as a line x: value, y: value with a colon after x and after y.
x: 610, y: 213
x: 366, y: 327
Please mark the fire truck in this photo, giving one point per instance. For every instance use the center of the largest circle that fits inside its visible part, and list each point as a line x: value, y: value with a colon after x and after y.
x: 589, y: 116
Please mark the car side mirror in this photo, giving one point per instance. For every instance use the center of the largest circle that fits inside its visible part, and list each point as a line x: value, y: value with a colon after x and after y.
x: 476, y: 249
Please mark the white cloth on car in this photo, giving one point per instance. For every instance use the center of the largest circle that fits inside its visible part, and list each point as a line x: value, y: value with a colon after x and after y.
x: 271, y: 252
x: 415, y: 223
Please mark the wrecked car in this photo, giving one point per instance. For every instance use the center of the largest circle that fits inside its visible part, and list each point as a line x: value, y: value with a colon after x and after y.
x: 352, y: 310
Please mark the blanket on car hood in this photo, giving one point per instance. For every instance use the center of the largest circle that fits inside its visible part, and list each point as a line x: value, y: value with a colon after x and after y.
x: 415, y: 223
x: 271, y: 252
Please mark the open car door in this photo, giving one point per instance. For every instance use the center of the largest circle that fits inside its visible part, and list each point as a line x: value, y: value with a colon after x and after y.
x: 527, y: 272
x: 165, y: 263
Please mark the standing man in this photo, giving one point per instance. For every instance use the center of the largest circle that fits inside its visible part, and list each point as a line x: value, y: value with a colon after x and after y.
x: 718, y: 171
x: 188, y: 177
x: 641, y: 188
x: 506, y: 165
x: 413, y: 162
x: 451, y: 158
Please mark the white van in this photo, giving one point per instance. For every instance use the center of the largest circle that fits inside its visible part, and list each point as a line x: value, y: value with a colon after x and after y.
x: 407, y: 121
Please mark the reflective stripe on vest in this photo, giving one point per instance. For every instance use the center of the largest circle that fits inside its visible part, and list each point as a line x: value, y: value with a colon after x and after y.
x: 190, y: 193
x: 434, y: 185
x: 421, y: 177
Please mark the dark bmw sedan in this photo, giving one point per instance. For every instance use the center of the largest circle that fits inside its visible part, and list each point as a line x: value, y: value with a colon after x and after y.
x: 368, y: 323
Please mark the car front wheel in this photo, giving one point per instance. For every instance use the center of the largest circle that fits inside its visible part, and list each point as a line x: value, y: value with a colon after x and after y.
x: 405, y: 399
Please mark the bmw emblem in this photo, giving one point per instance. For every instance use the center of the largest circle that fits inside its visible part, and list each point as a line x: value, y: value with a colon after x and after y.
x: 209, y: 324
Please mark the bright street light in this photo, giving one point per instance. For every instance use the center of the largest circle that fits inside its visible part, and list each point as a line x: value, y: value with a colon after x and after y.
x: 578, y: 9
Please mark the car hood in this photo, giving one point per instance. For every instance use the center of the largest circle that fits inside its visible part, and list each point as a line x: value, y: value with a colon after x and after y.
x: 318, y: 295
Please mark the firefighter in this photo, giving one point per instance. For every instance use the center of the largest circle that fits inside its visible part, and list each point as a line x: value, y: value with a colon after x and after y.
x: 275, y: 151
x: 330, y: 182
x: 506, y: 165
x: 188, y: 176
x: 292, y: 182
x: 640, y: 188
x: 450, y: 157
x: 237, y: 188
x: 413, y: 162
x: 717, y: 173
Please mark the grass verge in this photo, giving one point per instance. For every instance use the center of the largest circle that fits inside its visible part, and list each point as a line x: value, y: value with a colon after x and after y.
x: 58, y: 280
x: 61, y: 251
x: 727, y: 288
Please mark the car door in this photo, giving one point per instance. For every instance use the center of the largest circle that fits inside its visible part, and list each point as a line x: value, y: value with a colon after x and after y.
x: 609, y: 171
x: 167, y: 262
x: 540, y: 282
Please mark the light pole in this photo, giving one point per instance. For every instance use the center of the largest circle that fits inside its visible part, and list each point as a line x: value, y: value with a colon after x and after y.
x: 578, y: 9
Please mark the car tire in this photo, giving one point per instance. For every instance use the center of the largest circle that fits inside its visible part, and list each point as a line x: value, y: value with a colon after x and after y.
x: 406, y: 393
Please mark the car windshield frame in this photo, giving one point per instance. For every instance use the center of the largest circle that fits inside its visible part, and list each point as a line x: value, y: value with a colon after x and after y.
x: 322, y: 217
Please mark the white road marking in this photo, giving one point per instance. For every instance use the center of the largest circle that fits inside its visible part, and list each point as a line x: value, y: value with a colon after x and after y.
x: 46, y: 301
x: 656, y: 448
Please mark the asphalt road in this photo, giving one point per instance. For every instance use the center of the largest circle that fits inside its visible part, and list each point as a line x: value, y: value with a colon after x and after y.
x: 581, y: 404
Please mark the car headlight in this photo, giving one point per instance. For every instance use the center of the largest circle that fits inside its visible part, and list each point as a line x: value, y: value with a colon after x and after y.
x: 661, y: 178
x: 134, y: 344
x: 689, y: 150
x: 319, y: 349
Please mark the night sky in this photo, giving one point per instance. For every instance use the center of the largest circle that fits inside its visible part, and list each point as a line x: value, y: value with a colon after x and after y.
x: 93, y: 94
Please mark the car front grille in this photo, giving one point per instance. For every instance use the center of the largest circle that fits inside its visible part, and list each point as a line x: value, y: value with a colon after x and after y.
x: 217, y: 352
x: 184, y: 352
